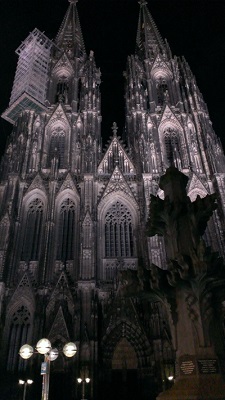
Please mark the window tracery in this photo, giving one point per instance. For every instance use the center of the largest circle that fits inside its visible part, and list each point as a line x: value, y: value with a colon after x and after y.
x: 172, y: 146
x: 33, y: 230
x: 66, y: 231
x: 57, y: 146
x: 62, y: 91
x: 118, y: 231
x: 18, y: 335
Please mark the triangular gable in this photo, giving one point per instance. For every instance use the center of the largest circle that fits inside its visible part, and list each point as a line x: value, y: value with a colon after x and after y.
x: 25, y: 281
x: 24, y: 292
x: 122, y: 310
x: 87, y: 219
x: 59, y: 115
x: 168, y: 117
x: 59, y: 328
x: 37, y: 183
x: 114, y: 151
x: 69, y: 184
x: 160, y: 64
x: 63, y: 66
x: 117, y: 183
x: 62, y: 282
x: 195, y: 187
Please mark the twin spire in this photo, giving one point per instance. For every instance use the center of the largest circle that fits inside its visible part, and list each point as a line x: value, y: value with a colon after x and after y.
x: 70, y: 36
x: 148, y: 41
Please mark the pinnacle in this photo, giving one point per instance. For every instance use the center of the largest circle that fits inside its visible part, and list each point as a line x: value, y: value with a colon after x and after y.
x: 73, y: 1
x: 114, y: 128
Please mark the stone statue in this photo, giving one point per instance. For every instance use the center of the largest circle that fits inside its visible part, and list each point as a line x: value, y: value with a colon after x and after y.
x: 195, y: 277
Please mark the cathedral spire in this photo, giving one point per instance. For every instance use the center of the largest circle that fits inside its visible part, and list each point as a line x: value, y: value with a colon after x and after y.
x: 149, y: 41
x: 70, y: 36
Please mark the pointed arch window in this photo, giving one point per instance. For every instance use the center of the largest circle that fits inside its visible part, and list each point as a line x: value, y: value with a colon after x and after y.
x: 33, y: 230
x: 118, y: 231
x: 62, y: 91
x: 66, y: 231
x: 57, y: 147
x: 172, y: 146
x: 18, y: 335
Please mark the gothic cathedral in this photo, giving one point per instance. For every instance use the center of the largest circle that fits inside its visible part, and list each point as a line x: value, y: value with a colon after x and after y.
x: 72, y: 217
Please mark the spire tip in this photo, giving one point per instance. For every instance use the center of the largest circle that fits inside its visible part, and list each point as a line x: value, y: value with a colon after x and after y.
x: 143, y: 3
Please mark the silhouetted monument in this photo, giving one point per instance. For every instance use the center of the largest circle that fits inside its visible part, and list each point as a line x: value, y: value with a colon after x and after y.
x: 190, y: 288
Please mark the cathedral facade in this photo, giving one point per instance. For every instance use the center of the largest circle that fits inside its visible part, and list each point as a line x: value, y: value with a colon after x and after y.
x: 72, y: 216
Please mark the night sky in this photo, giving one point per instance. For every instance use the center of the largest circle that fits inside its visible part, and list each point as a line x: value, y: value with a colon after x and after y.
x: 194, y: 29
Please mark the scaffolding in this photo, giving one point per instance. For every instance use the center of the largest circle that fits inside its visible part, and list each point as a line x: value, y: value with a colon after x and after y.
x: 30, y: 83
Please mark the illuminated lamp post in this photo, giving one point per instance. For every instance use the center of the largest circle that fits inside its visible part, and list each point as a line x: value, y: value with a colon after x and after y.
x: 44, y: 347
x: 25, y: 383
x: 83, y: 381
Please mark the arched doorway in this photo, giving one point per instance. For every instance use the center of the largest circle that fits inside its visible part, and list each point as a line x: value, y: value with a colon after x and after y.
x: 124, y: 377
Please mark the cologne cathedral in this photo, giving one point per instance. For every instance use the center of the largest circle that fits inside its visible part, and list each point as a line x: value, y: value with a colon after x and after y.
x: 73, y: 216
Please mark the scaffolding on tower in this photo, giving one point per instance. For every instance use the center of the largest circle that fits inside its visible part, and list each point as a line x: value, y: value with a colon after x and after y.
x: 30, y: 83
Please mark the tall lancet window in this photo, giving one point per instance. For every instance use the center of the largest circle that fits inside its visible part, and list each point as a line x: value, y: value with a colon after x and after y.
x: 66, y: 231
x: 18, y: 335
x: 172, y: 146
x: 62, y: 92
x: 118, y: 232
x: 33, y: 231
x: 57, y: 147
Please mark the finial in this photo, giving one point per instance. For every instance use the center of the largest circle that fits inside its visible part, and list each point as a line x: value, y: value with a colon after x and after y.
x: 91, y: 55
x: 114, y: 128
x: 73, y: 1
x: 143, y: 3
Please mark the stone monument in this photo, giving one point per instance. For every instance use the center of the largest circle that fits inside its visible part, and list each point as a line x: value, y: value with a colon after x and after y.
x: 193, y: 283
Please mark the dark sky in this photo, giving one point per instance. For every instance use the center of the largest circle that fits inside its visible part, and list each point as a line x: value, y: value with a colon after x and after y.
x: 193, y: 28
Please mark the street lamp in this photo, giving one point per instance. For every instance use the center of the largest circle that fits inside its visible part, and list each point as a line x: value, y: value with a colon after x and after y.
x: 44, y: 347
x: 83, y: 381
x: 25, y: 383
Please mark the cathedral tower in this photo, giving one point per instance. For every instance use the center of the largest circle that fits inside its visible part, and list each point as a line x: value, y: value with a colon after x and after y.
x: 72, y: 217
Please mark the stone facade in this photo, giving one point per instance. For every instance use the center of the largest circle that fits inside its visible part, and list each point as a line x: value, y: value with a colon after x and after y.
x: 72, y: 217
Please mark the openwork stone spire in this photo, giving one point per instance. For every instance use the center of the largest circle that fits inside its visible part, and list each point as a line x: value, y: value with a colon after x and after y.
x: 149, y: 41
x: 70, y: 36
